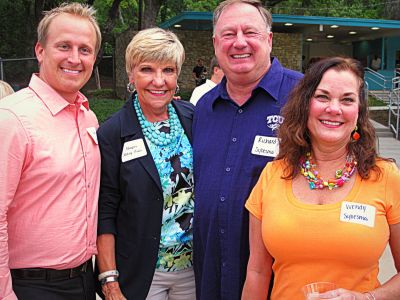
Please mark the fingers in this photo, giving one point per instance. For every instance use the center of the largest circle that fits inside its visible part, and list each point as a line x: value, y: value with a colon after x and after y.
x: 112, y: 291
x: 338, y: 294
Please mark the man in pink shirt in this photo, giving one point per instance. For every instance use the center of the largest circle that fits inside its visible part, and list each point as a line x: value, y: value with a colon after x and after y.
x: 50, y: 164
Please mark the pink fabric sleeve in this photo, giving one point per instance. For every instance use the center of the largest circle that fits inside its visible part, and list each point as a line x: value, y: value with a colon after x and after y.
x: 13, y: 149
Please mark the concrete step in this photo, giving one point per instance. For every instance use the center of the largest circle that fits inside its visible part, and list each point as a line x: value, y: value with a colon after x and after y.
x: 381, y: 95
x: 382, y: 130
x: 386, y: 133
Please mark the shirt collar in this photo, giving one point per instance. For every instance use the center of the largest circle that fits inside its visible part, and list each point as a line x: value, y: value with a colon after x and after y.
x: 51, y: 99
x: 271, y: 83
x: 210, y: 83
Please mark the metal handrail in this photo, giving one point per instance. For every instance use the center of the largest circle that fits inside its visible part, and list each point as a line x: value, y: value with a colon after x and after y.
x: 394, y: 106
x: 379, y: 79
x: 375, y: 73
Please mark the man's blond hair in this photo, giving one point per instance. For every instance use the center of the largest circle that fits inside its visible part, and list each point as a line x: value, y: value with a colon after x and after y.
x: 75, y: 9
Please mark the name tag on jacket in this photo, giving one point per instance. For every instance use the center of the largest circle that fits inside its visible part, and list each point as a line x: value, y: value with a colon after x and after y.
x: 133, y: 149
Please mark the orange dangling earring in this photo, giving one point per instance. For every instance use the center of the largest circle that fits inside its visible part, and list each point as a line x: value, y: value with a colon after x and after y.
x: 356, y: 136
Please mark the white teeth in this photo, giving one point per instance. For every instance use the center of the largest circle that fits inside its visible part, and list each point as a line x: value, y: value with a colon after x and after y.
x: 241, y: 55
x: 157, y: 92
x: 331, y: 123
x: 71, y: 71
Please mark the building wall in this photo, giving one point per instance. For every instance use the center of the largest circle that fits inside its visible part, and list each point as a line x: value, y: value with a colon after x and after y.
x: 392, y: 52
x: 364, y: 51
x: 287, y: 47
x: 326, y: 49
x: 198, y: 44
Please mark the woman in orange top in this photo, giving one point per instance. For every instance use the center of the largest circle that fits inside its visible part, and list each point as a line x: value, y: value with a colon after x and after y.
x: 307, y: 228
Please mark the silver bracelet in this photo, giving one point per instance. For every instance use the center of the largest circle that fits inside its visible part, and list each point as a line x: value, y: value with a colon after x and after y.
x: 370, y: 295
x: 105, y: 274
x: 108, y: 279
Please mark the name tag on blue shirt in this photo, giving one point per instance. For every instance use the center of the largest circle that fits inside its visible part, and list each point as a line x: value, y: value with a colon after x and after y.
x: 358, y: 213
x: 265, y: 146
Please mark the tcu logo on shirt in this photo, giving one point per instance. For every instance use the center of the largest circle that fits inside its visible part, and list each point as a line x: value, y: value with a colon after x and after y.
x: 274, y: 121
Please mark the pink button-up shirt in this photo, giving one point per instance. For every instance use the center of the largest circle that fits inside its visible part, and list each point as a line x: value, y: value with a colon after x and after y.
x: 49, y: 182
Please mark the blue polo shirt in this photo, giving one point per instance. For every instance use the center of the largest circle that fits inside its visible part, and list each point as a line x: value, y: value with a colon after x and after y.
x: 231, y: 146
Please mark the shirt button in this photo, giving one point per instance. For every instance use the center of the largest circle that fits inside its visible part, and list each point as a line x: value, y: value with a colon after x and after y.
x: 228, y: 169
x: 224, y: 264
x: 234, y: 139
x: 222, y: 199
x: 240, y: 111
x: 88, y: 185
x: 89, y: 215
x: 222, y: 231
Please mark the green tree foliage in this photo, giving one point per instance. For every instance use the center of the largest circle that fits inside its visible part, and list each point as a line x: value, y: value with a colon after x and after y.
x: 372, y: 9
x: 20, y: 17
x: 171, y: 8
x: 15, y: 28
x: 126, y: 16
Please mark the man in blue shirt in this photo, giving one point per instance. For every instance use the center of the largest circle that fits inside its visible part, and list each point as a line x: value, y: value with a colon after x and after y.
x: 234, y: 137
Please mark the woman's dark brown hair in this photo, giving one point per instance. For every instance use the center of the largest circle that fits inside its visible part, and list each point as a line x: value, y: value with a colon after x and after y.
x: 294, y: 135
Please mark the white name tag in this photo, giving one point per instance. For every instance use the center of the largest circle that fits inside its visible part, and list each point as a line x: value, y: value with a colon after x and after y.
x: 358, y: 213
x: 92, y: 133
x: 133, y: 149
x: 265, y: 146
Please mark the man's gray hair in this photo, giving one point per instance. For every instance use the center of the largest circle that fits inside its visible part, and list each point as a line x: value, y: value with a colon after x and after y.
x: 265, y: 14
x: 214, y: 63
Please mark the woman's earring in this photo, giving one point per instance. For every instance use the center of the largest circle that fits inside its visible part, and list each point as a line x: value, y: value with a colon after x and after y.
x: 177, y: 89
x: 130, y: 87
x: 356, y: 136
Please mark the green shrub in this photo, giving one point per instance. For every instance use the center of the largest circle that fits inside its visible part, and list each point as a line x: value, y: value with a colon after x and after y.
x: 104, y: 107
x: 372, y: 101
x: 104, y: 102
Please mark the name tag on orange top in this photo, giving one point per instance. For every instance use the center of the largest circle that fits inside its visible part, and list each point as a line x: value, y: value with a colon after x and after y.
x: 358, y: 213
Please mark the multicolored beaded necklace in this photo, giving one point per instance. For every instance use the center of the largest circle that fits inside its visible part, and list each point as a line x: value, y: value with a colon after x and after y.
x: 151, y: 130
x: 307, y: 169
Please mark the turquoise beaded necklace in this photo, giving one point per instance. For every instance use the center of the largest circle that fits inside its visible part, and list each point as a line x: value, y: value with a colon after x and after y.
x: 151, y: 130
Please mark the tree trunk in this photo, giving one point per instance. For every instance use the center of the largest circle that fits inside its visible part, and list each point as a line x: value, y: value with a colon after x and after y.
x: 97, y: 77
x: 392, y: 10
x: 112, y: 16
x: 151, y: 9
x: 271, y: 3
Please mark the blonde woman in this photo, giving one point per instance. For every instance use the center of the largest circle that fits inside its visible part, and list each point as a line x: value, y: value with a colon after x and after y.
x: 5, y: 89
x: 146, y: 194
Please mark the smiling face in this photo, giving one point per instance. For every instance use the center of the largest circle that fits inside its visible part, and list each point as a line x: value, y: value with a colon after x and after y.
x: 334, y: 108
x: 155, y: 84
x: 66, y: 59
x: 242, y: 43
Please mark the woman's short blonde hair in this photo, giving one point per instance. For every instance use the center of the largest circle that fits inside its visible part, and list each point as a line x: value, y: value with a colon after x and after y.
x: 154, y: 45
x: 5, y: 89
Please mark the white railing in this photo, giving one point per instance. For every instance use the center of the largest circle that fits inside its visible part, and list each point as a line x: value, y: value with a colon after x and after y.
x: 383, y: 82
x: 394, y: 107
x: 396, y: 72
